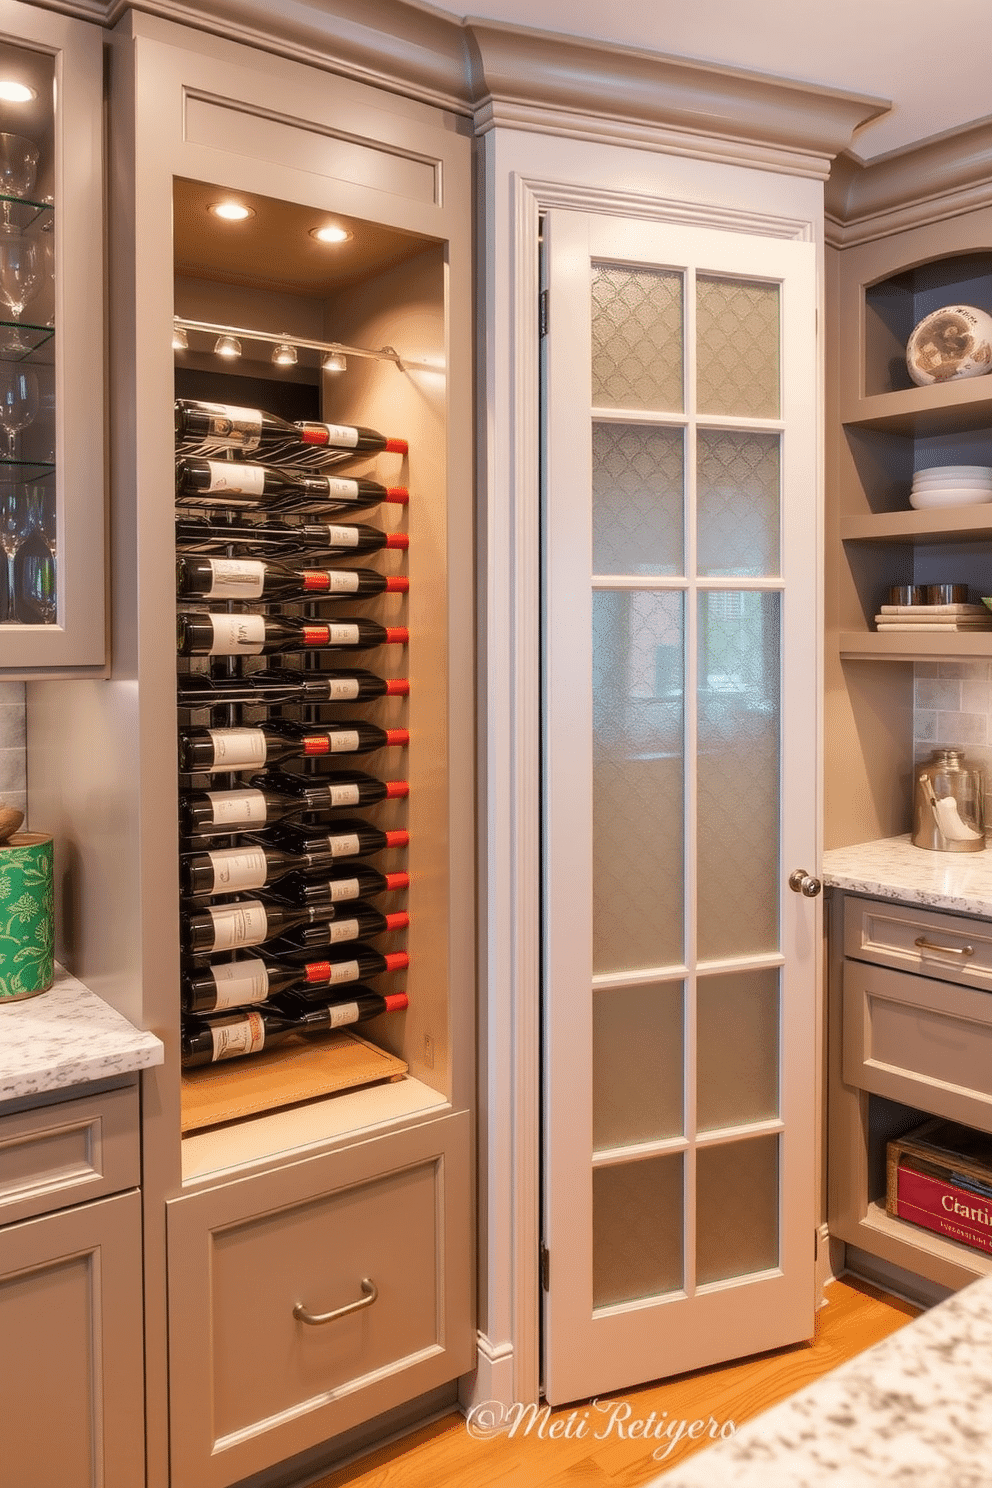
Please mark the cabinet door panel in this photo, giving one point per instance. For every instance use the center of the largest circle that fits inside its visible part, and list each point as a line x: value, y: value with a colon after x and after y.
x: 71, y: 1349
x: 252, y: 1382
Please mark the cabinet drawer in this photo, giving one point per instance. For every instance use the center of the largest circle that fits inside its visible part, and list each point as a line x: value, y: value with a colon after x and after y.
x: 63, y: 1154
x: 253, y: 1383
x: 919, y: 1041
x: 948, y: 947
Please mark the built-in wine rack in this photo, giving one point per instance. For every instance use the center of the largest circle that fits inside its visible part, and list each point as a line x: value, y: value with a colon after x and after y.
x: 293, y: 746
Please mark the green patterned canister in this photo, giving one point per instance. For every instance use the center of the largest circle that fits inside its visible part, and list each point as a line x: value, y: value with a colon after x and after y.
x: 27, y: 918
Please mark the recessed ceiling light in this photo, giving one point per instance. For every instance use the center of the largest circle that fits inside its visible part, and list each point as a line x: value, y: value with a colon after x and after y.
x: 231, y: 211
x: 330, y: 234
x: 13, y: 92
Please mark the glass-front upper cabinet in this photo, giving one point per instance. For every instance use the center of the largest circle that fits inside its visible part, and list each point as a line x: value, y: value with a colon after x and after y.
x: 52, y: 508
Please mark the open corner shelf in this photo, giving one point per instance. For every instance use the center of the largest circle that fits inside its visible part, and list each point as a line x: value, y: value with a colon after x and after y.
x: 872, y: 645
x: 942, y: 408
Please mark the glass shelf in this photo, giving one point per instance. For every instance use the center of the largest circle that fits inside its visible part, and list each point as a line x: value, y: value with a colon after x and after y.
x: 22, y: 212
x: 25, y: 470
x: 13, y: 335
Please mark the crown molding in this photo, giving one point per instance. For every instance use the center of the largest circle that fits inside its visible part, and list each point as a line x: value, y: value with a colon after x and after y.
x: 941, y: 177
x: 522, y: 78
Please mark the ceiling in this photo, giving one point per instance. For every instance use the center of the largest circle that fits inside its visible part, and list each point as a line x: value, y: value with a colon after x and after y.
x: 931, y: 60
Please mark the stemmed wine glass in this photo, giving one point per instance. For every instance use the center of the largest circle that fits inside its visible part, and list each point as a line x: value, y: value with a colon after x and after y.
x: 22, y: 273
x: 18, y: 164
x: 34, y: 563
x: 18, y: 401
x: 15, y: 523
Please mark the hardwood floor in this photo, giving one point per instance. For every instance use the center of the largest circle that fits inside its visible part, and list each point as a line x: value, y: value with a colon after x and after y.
x: 445, y: 1454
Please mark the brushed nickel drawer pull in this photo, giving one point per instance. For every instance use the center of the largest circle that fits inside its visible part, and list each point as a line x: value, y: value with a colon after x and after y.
x: 929, y: 945
x: 369, y: 1293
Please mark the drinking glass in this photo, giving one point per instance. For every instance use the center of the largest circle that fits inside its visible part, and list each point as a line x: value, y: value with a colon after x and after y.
x: 22, y: 269
x: 18, y: 165
x: 18, y: 401
x: 15, y: 523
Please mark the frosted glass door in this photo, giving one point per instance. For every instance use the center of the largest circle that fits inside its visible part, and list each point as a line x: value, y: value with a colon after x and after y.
x: 680, y: 751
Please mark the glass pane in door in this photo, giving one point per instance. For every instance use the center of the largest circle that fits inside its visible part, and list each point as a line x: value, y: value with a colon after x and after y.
x: 637, y: 1229
x: 738, y: 773
x: 737, y: 1048
x: 737, y: 1208
x: 638, y: 779
x: 637, y: 1054
x: 637, y: 499
x: 637, y: 343
x: 737, y: 347
x: 737, y: 504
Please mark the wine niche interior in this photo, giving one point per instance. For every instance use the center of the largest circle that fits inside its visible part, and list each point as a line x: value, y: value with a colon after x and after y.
x: 311, y: 662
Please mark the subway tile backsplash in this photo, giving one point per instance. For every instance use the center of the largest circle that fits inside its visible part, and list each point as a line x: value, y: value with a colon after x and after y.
x: 952, y: 704
x: 13, y: 762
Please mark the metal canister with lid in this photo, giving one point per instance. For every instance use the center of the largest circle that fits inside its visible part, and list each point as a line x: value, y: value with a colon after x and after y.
x: 949, y: 813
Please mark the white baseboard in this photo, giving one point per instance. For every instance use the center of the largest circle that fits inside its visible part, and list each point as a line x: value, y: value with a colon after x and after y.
x: 493, y: 1376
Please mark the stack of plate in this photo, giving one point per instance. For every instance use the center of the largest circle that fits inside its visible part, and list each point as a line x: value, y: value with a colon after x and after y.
x: 951, y: 485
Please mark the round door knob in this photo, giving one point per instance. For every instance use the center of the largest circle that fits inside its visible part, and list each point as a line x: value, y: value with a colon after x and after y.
x: 801, y: 882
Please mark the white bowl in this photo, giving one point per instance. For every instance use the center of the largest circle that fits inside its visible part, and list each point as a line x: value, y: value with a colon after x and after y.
x: 945, y: 481
x: 950, y: 343
x: 966, y: 496
x: 936, y: 470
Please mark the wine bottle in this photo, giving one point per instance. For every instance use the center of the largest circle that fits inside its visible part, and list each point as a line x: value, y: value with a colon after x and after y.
x: 342, y: 963
x: 230, y: 427
x: 340, y: 885
x: 318, y: 932
x: 230, y: 483
x: 199, y: 634
x: 321, y: 793
x: 207, y: 1040
x: 280, y: 685
x: 257, y: 578
x: 239, y: 923
x: 273, y: 797
x: 246, y: 980
x: 229, y: 870
x: 343, y: 1004
x: 207, y: 750
x: 200, y: 535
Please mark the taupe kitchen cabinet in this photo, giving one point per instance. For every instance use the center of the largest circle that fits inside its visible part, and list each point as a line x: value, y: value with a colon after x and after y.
x: 53, y: 523
x: 300, y: 1205
x: 70, y: 1293
x: 911, y: 1035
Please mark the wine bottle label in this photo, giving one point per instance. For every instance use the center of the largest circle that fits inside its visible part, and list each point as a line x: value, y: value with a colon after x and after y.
x: 345, y: 742
x: 343, y: 689
x: 344, y: 888
x: 343, y: 582
x: 226, y: 475
x: 344, y: 847
x: 332, y: 971
x: 340, y: 435
x: 237, y: 635
x: 342, y: 635
x: 236, y: 578
x: 238, y: 868
x: 240, y: 426
x: 342, y: 537
x: 237, y: 806
x: 317, y: 581
x: 344, y: 930
x: 344, y: 795
x: 237, y: 925
x: 237, y: 749
x: 238, y: 1036
x: 342, y: 1013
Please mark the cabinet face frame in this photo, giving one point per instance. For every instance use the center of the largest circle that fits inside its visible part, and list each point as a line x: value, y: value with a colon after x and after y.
x: 77, y: 641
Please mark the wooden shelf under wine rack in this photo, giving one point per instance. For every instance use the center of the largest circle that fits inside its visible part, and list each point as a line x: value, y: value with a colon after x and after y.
x: 300, y: 1069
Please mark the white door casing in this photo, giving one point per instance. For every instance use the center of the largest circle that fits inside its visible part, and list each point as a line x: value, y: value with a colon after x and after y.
x: 678, y: 1325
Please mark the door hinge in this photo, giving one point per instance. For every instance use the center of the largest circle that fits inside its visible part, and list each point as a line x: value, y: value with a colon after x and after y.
x: 542, y: 313
x: 545, y: 1268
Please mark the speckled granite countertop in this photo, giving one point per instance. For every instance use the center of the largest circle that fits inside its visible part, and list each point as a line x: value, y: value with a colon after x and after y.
x: 67, y: 1036
x: 894, y: 869
x: 912, y: 1411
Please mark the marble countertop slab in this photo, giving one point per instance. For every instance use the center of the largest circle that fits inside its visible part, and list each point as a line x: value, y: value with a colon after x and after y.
x: 912, y: 1411
x: 894, y: 869
x: 67, y: 1036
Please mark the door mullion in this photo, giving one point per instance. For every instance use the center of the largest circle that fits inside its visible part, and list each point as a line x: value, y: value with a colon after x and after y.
x: 691, y: 627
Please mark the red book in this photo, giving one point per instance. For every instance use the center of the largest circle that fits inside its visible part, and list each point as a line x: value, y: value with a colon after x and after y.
x: 945, y: 1207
